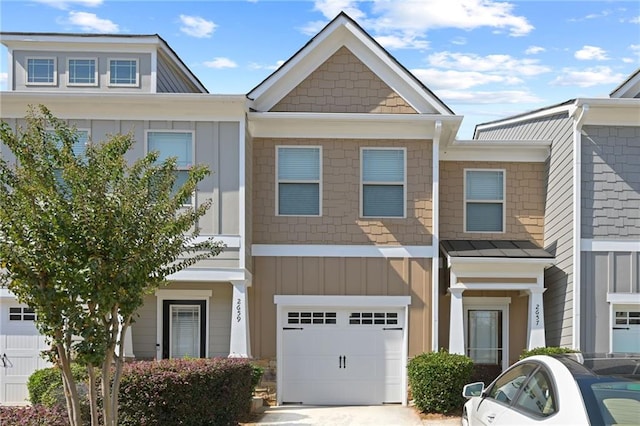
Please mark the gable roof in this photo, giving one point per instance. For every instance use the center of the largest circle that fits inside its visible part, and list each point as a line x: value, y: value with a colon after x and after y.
x: 630, y: 88
x: 344, y: 31
x: 21, y: 39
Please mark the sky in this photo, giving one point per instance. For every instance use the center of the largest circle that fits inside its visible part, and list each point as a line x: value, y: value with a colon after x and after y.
x: 485, y: 59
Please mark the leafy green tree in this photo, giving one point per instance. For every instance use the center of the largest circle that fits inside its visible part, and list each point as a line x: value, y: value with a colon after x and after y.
x: 83, y: 238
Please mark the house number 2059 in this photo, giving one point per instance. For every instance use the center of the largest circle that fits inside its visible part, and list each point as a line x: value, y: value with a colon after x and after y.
x: 239, y: 310
x: 537, y: 311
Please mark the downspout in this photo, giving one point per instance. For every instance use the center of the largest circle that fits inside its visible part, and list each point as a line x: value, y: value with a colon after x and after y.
x: 435, y: 238
x: 577, y: 223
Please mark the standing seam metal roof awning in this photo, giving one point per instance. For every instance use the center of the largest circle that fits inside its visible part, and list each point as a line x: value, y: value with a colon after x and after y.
x: 518, y: 249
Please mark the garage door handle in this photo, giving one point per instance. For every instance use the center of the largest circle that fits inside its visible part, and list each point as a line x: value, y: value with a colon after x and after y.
x: 4, y: 360
x: 392, y: 328
x: 292, y: 328
x: 621, y: 328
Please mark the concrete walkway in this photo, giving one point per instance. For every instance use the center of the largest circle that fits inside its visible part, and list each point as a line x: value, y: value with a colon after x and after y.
x: 380, y: 415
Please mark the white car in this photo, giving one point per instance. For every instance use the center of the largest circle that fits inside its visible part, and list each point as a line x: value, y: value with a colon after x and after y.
x: 558, y: 390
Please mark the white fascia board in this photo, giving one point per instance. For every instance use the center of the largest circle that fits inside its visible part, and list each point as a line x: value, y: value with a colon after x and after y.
x: 210, y: 274
x: 342, y: 301
x: 526, y: 117
x: 608, y: 112
x: 347, y: 125
x: 121, y: 106
x: 22, y: 40
x: 610, y: 245
x: 5, y: 293
x: 326, y: 250
x: 623, y: 298
x: 498, y: 267
x: 495, y: 286
x: 231, y: 241
x: 504, y: 151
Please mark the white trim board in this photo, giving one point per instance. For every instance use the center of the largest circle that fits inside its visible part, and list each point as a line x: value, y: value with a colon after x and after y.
x: 338, y: 301
x: 610, y: 245
x: 623, y: 298
x: 210, y: 274
x: 328, y: 250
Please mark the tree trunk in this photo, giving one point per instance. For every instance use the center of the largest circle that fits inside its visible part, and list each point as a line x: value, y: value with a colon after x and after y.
x: 93, y: 395
x: 118, y: 370
x: 70, y: 388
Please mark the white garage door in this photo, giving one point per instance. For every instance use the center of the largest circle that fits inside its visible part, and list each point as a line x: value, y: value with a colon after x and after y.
x: 20, y: 347
x: 342, y: 356
x: 626, y: 330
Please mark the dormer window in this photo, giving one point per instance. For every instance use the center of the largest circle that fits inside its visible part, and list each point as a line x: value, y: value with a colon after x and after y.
x: 82, y: 72
x: 123, y: 72
x: 41, y: 71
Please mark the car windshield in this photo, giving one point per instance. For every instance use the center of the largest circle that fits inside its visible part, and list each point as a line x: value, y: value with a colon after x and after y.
x: 611, y: 400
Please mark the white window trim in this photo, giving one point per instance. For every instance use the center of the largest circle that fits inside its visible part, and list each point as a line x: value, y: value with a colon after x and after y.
x: 162, y: 295
x: 319, y: 181
x: 95, y: 74
x: 489, y: 303
x: 193, y: 152
x: 404, y: 182
x: 503, y: 201
x: 35, y: 83
x: 110, y: 84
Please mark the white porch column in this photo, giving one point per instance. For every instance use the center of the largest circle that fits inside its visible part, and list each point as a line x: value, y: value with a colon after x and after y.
x: 240, y: 346
x: 535, y: 327
x: 128, y: 339
x: 456, y: 321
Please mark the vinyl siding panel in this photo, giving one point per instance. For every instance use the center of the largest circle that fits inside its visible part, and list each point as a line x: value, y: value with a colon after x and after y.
x: 170, y: 79
x: 610, y: 182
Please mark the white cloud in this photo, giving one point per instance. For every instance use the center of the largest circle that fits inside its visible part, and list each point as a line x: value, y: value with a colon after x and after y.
x: 220, y: 63
x: 331, y: 8
x: 66, y: 4
x: 635, y: 20
x: 196, y: 26
x: 90, y: 22
x: 591, y: 53
x: 4, y: 78
x: 588, y: 77
x: 497, y: 64
x: 450, y: 79
x: 257, y: 66
x: 534, y: 50
x: 402, y: 42
x: 460, y: 41
x: 489, y: 97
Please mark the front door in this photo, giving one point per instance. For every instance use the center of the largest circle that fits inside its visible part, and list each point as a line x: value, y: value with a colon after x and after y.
x: 183, y: 328
x: 484, y: 336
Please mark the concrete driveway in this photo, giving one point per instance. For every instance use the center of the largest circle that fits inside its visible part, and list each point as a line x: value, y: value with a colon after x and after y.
x: 382, y: 415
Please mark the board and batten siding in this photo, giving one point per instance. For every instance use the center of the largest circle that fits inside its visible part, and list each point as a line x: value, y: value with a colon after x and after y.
x: 610, y: 182
x: 603, y: 273
x: 558, y: 233
x: 339, y: 277
x: 20, y: 73
x: 144, y: 329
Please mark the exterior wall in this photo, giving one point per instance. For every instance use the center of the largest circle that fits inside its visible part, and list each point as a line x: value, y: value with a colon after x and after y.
x: 602, y: 273
x: 20, y: 74
x: 169, y: 79
x: 558, y: 220
x: 340, y: 222
x: 524, y: 200
x: 144, y: 329
x: 248, y: 198
x: 339, y: 276
x: 610, y: 182
x: 343, y: 84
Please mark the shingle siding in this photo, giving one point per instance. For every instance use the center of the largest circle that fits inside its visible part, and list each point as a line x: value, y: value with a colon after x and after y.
x: 610, y: 182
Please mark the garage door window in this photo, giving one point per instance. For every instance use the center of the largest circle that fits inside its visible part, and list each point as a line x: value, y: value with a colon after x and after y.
x: 373, y: 318
x: 311, y: 318
x: 21, y: 314
x: 625, y: 318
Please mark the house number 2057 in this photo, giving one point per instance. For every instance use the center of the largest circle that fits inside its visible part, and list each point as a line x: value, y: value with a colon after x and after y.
x: 537, y: 311
x: 239, y: 310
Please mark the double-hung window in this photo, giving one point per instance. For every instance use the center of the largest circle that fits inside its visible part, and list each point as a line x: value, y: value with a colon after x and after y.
x: 41, y: 71
x: 298, y: 186
x: 82, y: 72
x: 484, y: 200
x: 79, y: 145
x: 178, y: 144
x: 123, y: 72
x: 383, y: 189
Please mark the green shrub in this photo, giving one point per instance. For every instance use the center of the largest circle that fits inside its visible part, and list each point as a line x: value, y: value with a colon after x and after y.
x: 437, y: 379
x: 551, y: 350
x: 256, y: 376
x: 45, y: 385
x: 193, y: 392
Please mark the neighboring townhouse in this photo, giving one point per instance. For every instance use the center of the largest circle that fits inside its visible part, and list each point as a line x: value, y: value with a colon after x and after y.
x: 592, y: 216
x: 359, y: 231
x: 117, y: 84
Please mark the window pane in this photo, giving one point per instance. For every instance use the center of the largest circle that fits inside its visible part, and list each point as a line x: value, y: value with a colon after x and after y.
x: 122, y: 71
x: 40, y: 70
x: 537, y: 396
x: 299, y: 164
x: 299, y: 199
x: 383, y: 165
x: 172, y: 144
x: 185, y: 331
x: 484, y: 185
x: 507, y: 386
x: 484, y: 217
x: 383, y: 200
x: 80, y: 144
x: 484, y: 336
x: 82, y: 71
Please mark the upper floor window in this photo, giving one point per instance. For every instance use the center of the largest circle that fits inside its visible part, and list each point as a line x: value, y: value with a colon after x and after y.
x: 298, y: 191
x: 383, y: 182
x: 484, y: 200
x: 123, y: 72
x: 178, y: 144
x: 41, y: 71
x: 82, y: 72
